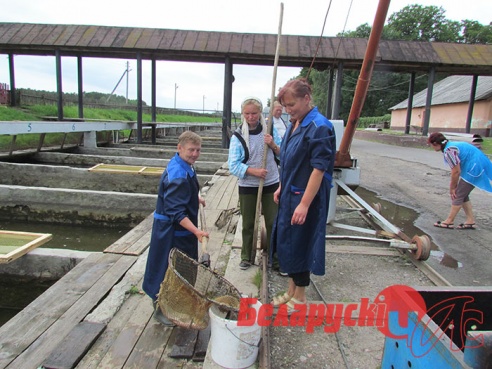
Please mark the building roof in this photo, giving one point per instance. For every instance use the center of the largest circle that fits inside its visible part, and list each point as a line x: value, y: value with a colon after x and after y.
x: 240, y: 48
x: 451, y: 90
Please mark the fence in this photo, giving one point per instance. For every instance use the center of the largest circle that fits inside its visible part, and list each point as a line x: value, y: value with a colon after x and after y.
x: 24, y: 98
x: 4, y: 94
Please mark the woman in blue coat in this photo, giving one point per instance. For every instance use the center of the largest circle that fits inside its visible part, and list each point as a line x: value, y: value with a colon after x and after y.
x: 470, y: 168
x: 175, y: 216
x: 306, y: 167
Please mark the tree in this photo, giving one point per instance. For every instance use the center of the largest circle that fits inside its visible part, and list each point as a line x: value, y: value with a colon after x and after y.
x: 473, y: 32
x: 419, y: 23
x: 412, y: 23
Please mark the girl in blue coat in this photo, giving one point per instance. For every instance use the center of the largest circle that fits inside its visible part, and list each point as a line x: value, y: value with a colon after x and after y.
x: 470, y: 168
x: 306, y: 167
x: 175, y: 216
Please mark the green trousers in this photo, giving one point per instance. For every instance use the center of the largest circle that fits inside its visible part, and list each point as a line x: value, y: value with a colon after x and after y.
x: 247, y: 204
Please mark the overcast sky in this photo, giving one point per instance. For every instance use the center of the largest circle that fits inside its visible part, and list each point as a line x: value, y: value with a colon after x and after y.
x: 199, y: 85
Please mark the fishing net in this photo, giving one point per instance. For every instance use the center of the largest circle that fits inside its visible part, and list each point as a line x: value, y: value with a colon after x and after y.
x: 190, y: 288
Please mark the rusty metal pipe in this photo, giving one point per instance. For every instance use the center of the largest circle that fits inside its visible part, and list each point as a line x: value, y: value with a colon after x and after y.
x: 343, y: 158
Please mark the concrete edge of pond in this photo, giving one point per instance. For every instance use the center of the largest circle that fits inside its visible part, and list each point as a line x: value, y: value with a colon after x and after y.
x: 45, y: 263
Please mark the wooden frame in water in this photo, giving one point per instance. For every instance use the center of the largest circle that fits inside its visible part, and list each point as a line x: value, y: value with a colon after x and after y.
x: 15, y: 244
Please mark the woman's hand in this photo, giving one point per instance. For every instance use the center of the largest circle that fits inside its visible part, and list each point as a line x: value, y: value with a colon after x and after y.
x: 452, y: 193
x: 276, y: 194
x: 257, y: 172
x: 200, y: 234
x: 299, y: 216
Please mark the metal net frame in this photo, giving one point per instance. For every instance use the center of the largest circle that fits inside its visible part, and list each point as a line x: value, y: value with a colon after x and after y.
x: 189, y: 289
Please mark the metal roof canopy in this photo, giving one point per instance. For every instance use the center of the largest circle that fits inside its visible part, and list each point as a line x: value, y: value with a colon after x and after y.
x: 241, y: 48
x: 233, y: 48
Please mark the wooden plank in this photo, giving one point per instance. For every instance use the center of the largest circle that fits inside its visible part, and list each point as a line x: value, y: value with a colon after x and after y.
x: 125, y: 337
x: 184, y: 346
x: 140, y: 246
x: 54, y: 35
x: 155, y: 39
x: 166, y: 362
x: 99, y: 36
x: 235, y: 45
x: 189, y: 41
x: 34, y: 355
x: 150, y: 347
x: 124, y: 243
x: 76, y: 36
x: 17, y: 38
x: 9, y: 32
x: 202, y: 344
x: 201, y: 41
x: 213, y: 41
x: 68, y: 354
x: 87, y: 36
x: 133, y: 37
x: 110, y: 37
x: 247, y: 42
x: 224, y: 42
x: 179, y: 37
x: 65, y: 35
x: 45, y: 33
x: 166, y: 40
x: 144, y: 38
x: 259, y: 44
x: 20, y: 331
x: 232, y: 195
x: 32, y: 34
x: 120, y: 39
x: 229, y: 194
x: 123, y: 318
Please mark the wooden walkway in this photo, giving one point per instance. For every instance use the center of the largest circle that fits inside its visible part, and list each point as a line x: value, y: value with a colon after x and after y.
x: 96, y: 316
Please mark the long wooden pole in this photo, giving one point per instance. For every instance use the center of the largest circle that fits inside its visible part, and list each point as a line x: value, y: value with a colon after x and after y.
x: 269, y: 129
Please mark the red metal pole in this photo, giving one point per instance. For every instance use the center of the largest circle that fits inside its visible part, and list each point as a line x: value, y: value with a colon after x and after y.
x: 343, y: 158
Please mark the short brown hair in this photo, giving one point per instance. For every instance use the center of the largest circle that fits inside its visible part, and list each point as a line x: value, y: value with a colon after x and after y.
x: 297, y: 87
x: 189, y: 136
x: 437, y: 138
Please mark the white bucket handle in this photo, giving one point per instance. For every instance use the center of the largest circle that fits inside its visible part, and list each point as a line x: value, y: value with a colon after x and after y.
x: 249, y: 344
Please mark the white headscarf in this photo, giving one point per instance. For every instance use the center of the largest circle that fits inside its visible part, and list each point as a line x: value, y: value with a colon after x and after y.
x: 244, y: 125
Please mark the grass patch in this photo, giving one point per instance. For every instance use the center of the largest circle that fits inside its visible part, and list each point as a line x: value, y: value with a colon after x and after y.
x: 36, y: 112
x: 258, y: 278
x: 487, y: 146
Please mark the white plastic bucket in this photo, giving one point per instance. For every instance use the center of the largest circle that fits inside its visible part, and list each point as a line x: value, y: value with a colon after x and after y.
x: 233, y: 346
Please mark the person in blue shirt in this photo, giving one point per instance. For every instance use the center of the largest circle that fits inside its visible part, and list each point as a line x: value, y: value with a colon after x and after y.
x: 246, y: 162
x: 277, y: 119
x: 470, y: 168
x: 175, y: 216
x: 307, y: 159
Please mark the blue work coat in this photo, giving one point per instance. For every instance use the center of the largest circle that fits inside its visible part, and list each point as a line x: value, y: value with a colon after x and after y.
x: 301, y: 248
x: 475, y: 166
x: 177, y: 198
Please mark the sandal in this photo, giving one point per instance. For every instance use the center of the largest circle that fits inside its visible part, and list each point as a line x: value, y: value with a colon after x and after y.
x: 291, y: 305
x: 466, y: 226
x: 440, y: 224
x: 281, y: 299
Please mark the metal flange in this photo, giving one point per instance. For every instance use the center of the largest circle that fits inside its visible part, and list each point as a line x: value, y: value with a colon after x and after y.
x: 423, y: 246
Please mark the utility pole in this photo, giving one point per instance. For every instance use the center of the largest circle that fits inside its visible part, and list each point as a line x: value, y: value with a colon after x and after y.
x: 127, y: 73
x: 175, y: 88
